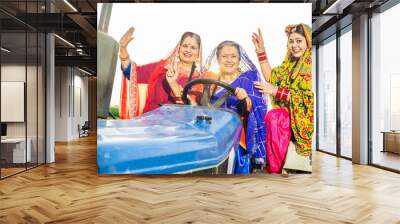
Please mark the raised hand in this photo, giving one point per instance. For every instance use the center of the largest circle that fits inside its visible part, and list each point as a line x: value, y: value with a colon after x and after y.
x: 172, y: 72
x: 258, y: 41
x: 171, y: 75
x: 126, y: 38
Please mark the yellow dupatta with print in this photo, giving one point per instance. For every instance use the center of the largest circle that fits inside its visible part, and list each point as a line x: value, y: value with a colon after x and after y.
x: 295, y: 74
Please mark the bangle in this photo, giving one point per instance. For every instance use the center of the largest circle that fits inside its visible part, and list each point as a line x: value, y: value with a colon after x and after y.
x: 124, y: 59
x: 260, y: 50
x: 178, y: 98
x: 285, y: 94
x: 262, y: 56
x: 278, y: 94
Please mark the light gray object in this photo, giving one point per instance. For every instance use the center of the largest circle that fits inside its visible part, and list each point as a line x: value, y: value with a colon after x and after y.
x: 107, y: 56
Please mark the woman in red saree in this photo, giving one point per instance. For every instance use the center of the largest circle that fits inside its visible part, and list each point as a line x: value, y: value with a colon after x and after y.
x: 165, y: 79
x: 290, y: 125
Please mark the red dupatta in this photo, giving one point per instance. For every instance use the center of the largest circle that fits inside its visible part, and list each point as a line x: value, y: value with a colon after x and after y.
x: 132, y: 86
x: 130, y: 105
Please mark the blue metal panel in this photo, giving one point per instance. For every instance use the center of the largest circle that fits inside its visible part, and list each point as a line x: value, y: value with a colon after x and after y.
x: 166, y: 140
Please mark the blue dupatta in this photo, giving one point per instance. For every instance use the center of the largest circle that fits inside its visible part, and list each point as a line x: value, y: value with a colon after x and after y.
x: 255, y: 127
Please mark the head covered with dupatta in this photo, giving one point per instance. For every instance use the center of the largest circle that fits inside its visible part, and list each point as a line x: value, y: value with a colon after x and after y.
x: 245, y: 64
x: 130, y: 102
x: 247, y: 74
x: 295, y: 74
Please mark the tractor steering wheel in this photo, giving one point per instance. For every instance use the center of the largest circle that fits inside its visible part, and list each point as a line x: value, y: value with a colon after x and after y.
x: 206, y: 97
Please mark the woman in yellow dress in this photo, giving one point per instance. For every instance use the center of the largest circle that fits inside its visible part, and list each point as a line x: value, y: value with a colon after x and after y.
x: 290, y: 125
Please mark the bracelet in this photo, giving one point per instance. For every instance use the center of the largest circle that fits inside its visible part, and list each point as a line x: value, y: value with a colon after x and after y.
x: 262, y: 56
x: 285, y: 94
x: 244, y: 99
x: 278, y: 94
x: 124, y: 59
x: 178, y: 98
x: 260, y: 50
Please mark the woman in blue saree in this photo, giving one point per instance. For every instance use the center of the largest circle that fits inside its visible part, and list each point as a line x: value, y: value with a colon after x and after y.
x: 230, y: 64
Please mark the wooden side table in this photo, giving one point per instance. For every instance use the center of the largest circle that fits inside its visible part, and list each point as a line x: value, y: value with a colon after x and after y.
x: 391, y: 141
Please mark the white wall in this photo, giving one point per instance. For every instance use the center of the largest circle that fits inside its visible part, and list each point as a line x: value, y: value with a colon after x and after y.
x: 33, y: 127
x: 70, y: 83
x: 80, y: 94
x: 62, y: 81
x: 14, y: 73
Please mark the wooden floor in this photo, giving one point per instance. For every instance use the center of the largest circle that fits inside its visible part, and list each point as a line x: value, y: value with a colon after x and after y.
x: 5, y: 172
x: 10, y: 171
x: 70, y: 191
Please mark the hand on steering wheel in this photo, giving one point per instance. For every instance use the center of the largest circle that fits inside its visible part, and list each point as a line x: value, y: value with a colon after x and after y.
x: 240, y: 93
x: 206, y: 97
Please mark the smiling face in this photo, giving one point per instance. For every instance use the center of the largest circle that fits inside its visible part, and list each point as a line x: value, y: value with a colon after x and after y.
x: 228, y: 59
x: 189, y: 50
x: 297, y: 44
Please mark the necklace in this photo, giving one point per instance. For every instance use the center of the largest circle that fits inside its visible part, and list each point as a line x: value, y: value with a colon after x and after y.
x: 228, y: 78
x: 184, y: 69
